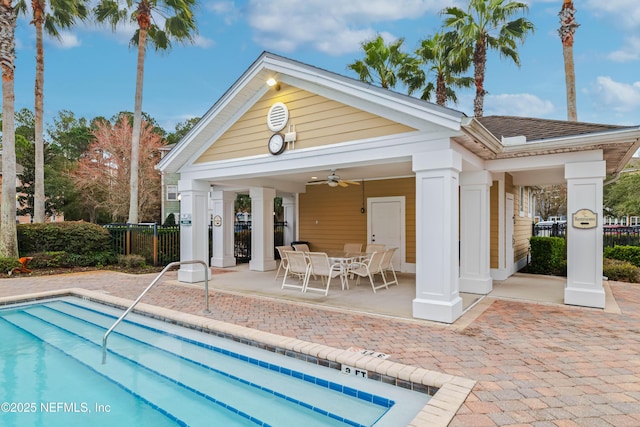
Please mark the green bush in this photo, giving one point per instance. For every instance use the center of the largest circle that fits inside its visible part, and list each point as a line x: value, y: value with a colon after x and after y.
x: 622, y: 271
x: 8, y: 264
x: 630, y: 254
x: 73, y: 237
x: 132, y: 261
x: 548, y: 255
x: 53, y: 259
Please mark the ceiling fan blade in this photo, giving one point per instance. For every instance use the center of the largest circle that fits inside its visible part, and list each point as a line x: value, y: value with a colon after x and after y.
x: 343, y: 184
x: 324, y: 181
x: 351, y: 182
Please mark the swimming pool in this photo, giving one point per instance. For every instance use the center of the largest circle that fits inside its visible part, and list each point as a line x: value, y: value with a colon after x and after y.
x: 159, y: 374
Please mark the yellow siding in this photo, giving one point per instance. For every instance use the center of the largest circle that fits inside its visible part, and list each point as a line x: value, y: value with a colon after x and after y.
x: 330, y: 217
x: 318, y: 121
x: 522, y: 227
x: 494, y: 225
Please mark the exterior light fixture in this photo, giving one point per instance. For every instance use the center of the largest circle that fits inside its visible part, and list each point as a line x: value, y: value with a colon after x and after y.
x: 271, y: 82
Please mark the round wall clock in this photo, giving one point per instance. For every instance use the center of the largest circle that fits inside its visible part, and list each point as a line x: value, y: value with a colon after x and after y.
x: 276, y: 143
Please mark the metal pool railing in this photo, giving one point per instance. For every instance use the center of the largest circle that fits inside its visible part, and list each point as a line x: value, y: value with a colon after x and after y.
x: 164, y: 270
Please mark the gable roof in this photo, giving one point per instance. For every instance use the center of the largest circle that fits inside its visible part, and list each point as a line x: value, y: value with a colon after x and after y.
x: 252, y: 85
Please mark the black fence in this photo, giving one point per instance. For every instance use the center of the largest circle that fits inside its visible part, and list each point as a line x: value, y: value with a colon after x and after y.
x: 160, y: 245
x: 611, y: 235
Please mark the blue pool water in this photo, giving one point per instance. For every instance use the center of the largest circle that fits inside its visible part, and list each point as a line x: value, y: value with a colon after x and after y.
x: 159, y: 375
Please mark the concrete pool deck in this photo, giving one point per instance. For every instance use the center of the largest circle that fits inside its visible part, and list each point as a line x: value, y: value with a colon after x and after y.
x: 532, y: 362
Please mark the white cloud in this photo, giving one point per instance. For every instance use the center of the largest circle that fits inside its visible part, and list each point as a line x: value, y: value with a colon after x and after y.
x: 520, y: 104
x: 203, y: 42
x: 608, y: 94
x: 67, y: 40
x: 330, y: 27
x: 629, y: 52
x: 625, y: 13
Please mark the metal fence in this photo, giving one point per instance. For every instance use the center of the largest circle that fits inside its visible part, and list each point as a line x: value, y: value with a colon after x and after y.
x: 160, y: 245
x: 611, y: 235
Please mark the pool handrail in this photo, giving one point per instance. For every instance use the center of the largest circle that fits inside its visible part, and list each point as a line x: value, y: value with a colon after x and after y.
x: 164, y: 270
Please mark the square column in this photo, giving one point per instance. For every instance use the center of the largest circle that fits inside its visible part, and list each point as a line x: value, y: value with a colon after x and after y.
x: 223, y: 228
x: 194, y: 229
x: 437, y: 218
x: 584, y: 245
x: 475, y: 248
x: 262, y: 247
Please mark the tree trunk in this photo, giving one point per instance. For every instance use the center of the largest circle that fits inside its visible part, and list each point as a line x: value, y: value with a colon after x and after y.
x: 38, y: 196
x: 568, y: 26
x: 479, y: 67
x: 570, y: 79
x: 8, y: 233
x: 137, y: 124
x: 441, y: 90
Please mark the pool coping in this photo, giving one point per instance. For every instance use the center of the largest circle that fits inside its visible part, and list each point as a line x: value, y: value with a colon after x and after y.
x: 448, y: 392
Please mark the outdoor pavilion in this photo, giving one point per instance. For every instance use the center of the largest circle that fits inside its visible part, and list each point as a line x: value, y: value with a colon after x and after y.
x: 448, y: 180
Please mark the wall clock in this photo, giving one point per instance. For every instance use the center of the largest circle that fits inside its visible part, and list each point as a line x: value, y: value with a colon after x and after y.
x: 276, y: 144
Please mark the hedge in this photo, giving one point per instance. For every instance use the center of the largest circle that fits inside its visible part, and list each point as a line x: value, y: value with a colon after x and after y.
x: 548, y: 255
x: 73, y: 237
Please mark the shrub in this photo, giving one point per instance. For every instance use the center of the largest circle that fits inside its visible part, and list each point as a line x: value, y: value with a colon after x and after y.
x: 53, y: 259
x: 630, y: 254
x: 8, y: 264
x: 548, y: 255
x: 132, y: 261
x: 73, y: 237
x: 622, y: 271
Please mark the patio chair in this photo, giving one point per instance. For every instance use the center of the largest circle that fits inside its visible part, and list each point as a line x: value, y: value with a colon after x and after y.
x: 352, y: 248
x: 283, y: 258
x: 297, y: 267
x: 374, y: 247
x: 320, y: 266
x: 369, y: 269
x: 386, y: 265
x: 302, y: 247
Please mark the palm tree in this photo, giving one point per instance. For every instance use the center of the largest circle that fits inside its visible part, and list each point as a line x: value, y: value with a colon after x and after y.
x: 63, y: 15
x: 179, y: 24
x: 485, y: 25
x: 567, y: 29
x: 8, y: 233
x: 447, y: 58
x: 386, y: 65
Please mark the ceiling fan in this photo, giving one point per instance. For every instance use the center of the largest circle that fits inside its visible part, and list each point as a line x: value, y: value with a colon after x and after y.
x: 334, y: 180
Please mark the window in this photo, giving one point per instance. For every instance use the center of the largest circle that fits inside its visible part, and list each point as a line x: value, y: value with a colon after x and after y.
x: 531, y: 203
x: 521, y: 201
x: 172, y: 192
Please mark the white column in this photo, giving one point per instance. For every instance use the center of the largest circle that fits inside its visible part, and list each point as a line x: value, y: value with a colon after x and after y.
x: 475, y: 274
x: 223, y: 232
x: 584, y: 246
x: 262, y: 258
x: 289, y: 208
x: 194, y: 229
x: 437, y: 214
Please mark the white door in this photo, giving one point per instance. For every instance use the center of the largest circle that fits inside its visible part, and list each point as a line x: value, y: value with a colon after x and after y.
x: 510, y: 242
x: 386, y: 225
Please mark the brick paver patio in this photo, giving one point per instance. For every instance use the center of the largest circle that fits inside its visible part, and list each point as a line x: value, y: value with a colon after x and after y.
x: 535, y: 364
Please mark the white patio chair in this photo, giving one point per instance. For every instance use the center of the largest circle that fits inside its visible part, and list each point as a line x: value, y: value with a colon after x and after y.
x: 374, y: 247
x: 320, y: 266
x: 369, y: 269
x: 302, y: 247
x: 386, y: 265
x: 352, y: 248
x: 298, y: 268
x: 283, y: 258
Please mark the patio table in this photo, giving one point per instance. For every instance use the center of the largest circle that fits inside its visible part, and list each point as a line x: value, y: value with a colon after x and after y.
x: 345, y: 259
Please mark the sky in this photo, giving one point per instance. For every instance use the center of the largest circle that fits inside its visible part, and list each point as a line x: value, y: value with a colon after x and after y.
x: 91, y: 69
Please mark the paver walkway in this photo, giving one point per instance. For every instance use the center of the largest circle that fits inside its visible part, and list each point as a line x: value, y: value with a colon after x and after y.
x: 535, y: 365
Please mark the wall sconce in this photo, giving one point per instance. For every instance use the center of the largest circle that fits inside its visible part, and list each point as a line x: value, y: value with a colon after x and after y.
x: 271, y: 82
